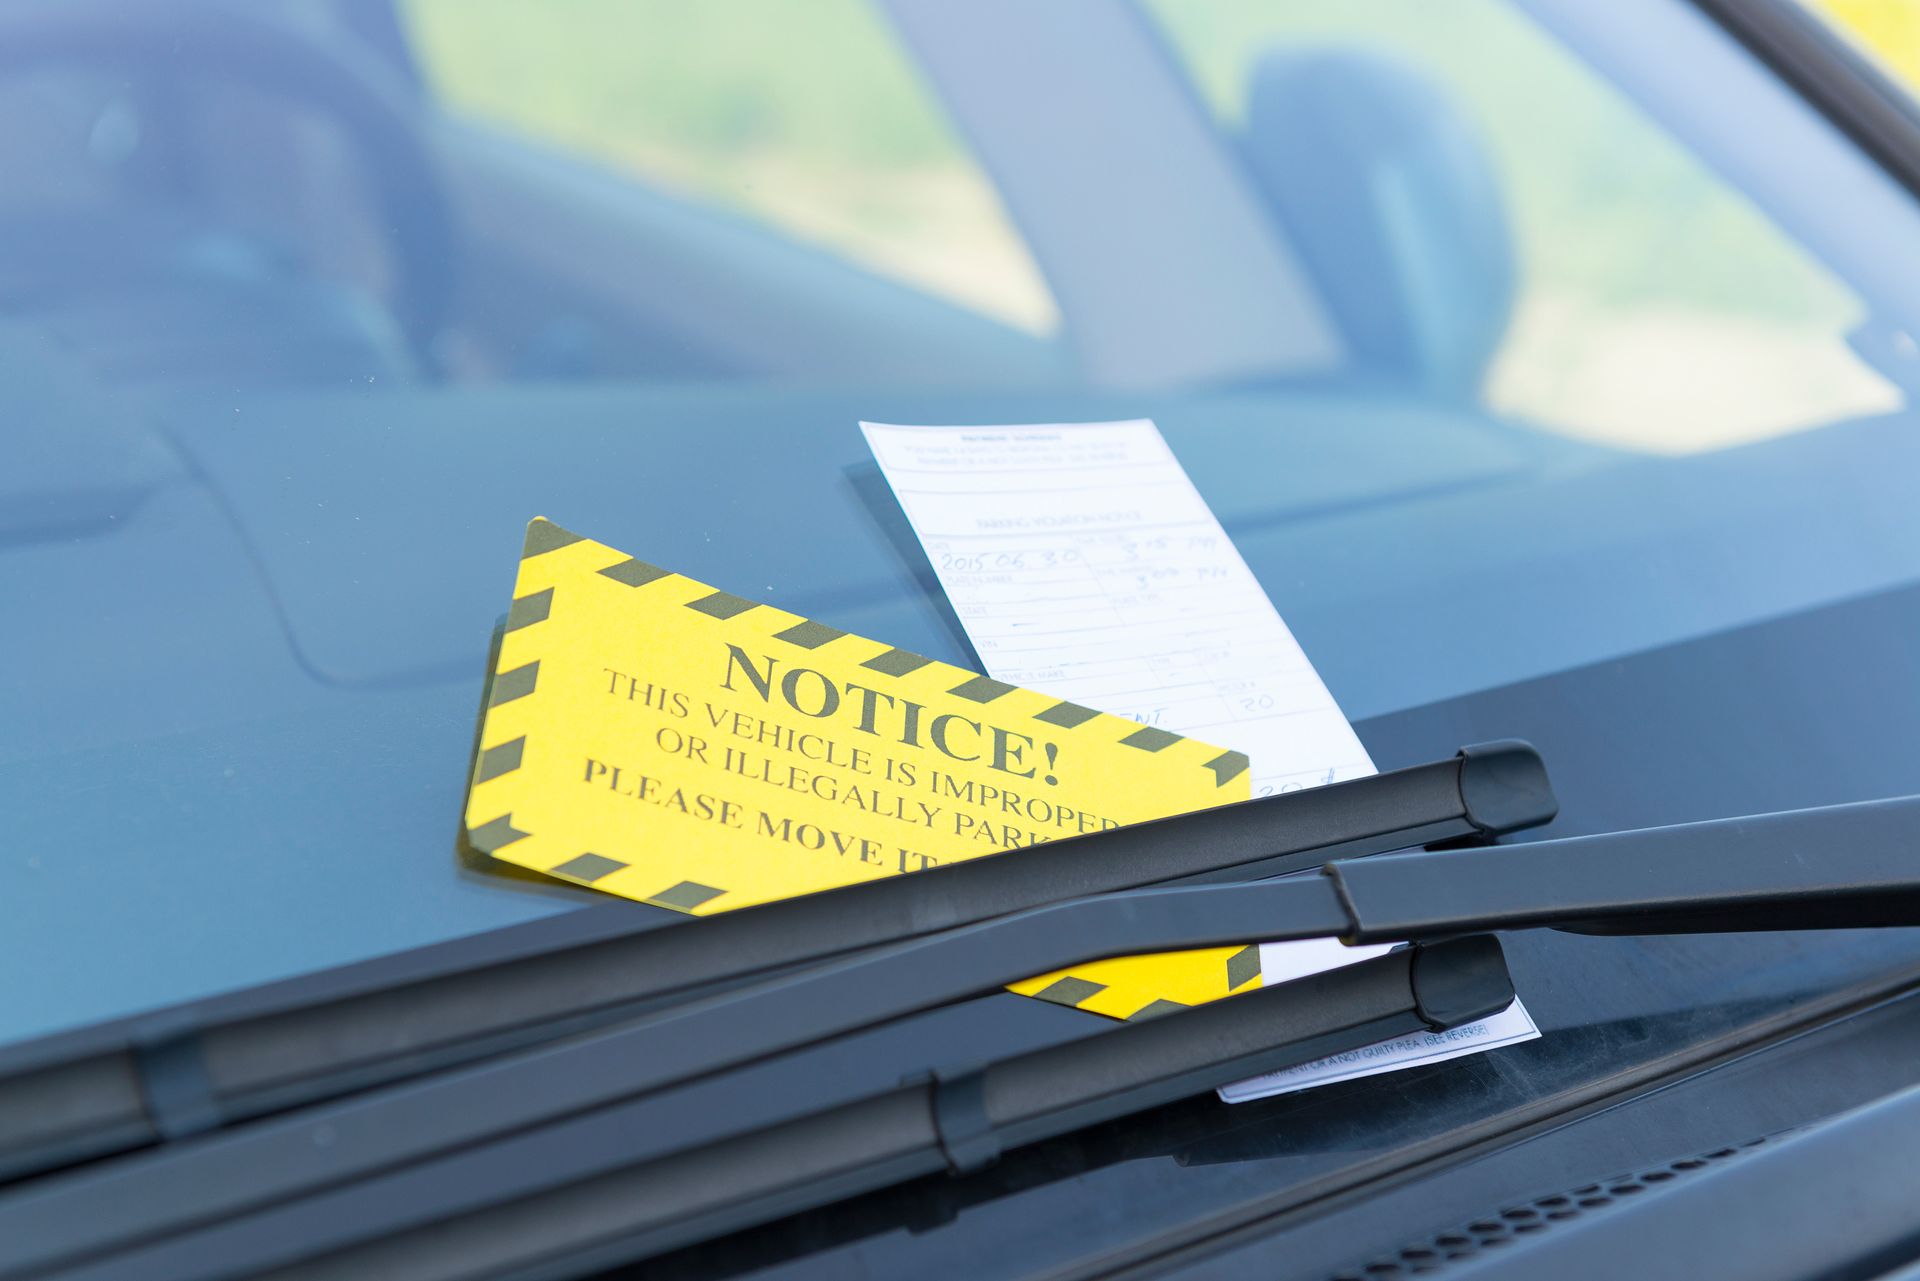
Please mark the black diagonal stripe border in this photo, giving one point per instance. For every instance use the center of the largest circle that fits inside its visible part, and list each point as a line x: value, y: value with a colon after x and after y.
x: 517, y: 683
x: 1066, y: 715
x: 634, y: 572
x: 544, y: 536
x: 722, y: 605
x: 1243, y: 966
x: 896, y: 662
x: 502, y: 758
x: 686, y: 896
x: 1227, y: 766
x: 1149, y: 739
x: 808, y: 634
x: 1068, y: 990
x: 587, y: 867
x: 534, y: 607
x: 495, y: 834
x: 982, y: 689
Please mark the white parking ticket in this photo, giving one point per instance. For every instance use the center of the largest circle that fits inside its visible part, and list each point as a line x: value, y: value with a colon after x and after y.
x: 1083, y: 562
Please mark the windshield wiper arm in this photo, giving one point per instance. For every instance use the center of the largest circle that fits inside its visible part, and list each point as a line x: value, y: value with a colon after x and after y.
x: 1843, y: 865
x: 1834, y: 867
x: 678, y: 1171
x: 78, y: 1096
x: 1846, y: 865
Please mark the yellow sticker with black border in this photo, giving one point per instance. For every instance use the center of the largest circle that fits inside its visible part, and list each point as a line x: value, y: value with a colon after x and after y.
x: 657, y: 738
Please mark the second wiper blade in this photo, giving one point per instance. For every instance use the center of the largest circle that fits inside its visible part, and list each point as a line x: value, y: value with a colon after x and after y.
x: 524, y: 1200
x: 75, y: 1097
x: 1847, y: 865
x: 1844, y: 865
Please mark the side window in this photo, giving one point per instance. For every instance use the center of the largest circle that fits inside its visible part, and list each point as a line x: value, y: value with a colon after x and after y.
x: 807, y: 117
x: 1887, y: 31
x: 1647, y: 305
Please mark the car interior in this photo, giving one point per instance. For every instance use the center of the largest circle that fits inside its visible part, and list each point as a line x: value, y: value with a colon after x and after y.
x: 291, y: 354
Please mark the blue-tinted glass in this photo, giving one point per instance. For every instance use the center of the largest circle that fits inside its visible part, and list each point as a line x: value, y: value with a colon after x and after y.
x: 1503, y: 345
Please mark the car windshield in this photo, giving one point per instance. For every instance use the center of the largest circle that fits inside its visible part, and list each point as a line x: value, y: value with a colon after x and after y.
x: 1548, y: 362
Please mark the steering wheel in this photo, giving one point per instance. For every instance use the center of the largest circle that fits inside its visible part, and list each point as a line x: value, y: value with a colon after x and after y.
x: 200, y: 41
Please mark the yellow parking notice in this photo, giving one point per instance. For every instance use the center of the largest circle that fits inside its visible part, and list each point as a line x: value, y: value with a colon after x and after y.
x: 659, y: 739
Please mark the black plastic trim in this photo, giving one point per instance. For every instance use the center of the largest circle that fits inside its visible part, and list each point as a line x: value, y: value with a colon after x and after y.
x: 1876, y: 114
x: 1834, y: 1200
x: 1504, y: 786
x: 488, y: 1209
x: 77, y: 1096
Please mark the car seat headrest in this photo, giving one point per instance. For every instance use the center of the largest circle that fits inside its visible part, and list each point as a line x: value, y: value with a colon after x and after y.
x: 1387, y: 187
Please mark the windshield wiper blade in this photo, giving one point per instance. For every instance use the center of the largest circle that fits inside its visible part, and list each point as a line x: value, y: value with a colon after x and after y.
x: 1840, y: 866
x: 1844, y: 865
x: 531, y: 1123
x: 667, y: 1170
x: 78, y: 1096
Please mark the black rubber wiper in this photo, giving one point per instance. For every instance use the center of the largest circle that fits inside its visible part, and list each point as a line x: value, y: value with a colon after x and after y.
x: 79, y: 1096
x: 493, y: 1164
x: 507, y: 1138
x: 1841, y: 866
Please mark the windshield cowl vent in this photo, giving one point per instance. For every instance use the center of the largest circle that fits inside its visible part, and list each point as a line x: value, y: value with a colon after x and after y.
x: 1438, y: 1254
